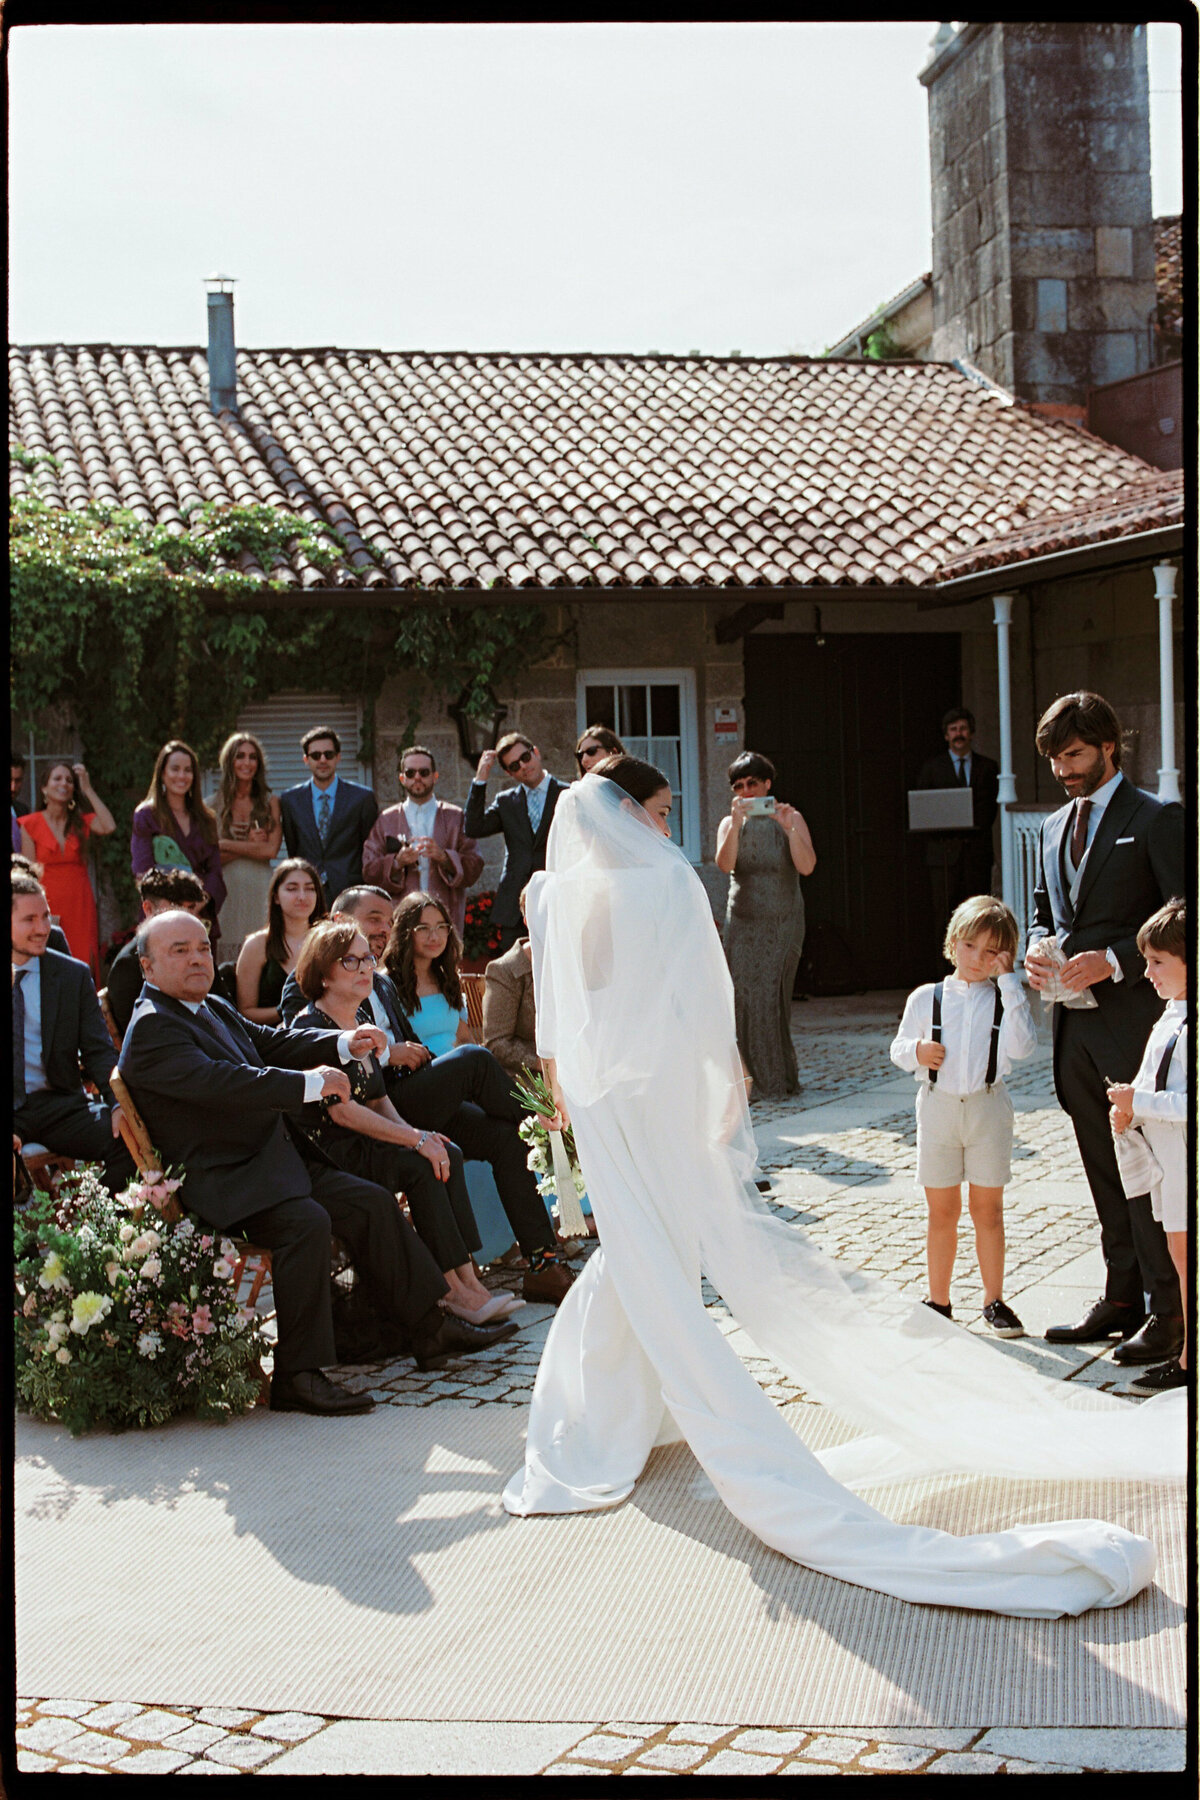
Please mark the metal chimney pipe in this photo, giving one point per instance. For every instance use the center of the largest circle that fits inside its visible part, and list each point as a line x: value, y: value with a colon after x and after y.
x: 222, y: 348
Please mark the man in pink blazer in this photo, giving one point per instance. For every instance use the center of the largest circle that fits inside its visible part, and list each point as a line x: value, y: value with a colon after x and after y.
x: 420, y: 844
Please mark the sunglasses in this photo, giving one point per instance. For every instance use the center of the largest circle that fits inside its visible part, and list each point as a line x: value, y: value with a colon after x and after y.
x: 322, y: 755
x: 517, y: 763
x: 588, y: 750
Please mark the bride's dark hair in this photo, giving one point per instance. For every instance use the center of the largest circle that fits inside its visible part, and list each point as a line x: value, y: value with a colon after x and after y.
x: 640, y: 780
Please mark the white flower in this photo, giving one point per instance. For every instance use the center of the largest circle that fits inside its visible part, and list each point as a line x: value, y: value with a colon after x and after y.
x: 56, y: 1331
x: 86, y: 1238
x: 88, y: 1310
x: 229, y: 1249
x: 149, y: 1344
x: 151, y: 1269
x: 62, y: 1356
x: 222, y: 1270
x: 185, y: 1229
x: 126, y: 1233
x: 53, y: 1274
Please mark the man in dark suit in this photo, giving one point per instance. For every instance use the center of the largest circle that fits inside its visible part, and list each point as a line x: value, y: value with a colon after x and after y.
x: 57, y: 1025
x: 523, y: 813
x: 328, y: 820
x: 465, y: 1095
x: 213, y: 1089
x: 1107, y: 860
x: 160, y: 890
x: 960, y: 863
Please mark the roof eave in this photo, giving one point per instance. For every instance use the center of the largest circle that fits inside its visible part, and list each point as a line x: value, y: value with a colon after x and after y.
x: 1141, y: 546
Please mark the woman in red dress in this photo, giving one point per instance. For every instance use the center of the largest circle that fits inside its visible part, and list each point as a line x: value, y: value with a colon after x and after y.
x: 57, y: 838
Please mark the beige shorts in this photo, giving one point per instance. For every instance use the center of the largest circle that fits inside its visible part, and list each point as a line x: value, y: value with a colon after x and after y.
x: 964, y: 1137
x: 1168, y: 1203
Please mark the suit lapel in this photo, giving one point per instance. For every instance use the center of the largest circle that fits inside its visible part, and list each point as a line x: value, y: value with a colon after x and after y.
x: 1116, y: 816
x: 51, y: 995
x: 550, y: 802
x: 518, y: 814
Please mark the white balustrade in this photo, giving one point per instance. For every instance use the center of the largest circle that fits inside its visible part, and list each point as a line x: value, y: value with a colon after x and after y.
x: 1021, y: 827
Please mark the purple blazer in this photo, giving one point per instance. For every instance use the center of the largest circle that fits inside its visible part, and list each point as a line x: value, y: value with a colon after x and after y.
x: 205, y: 858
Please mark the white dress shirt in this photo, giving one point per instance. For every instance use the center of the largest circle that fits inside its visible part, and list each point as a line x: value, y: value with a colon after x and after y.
x: 542, y: 790
x: 1171, y: 1105
x: 421, y: 817
x: 968, y: 1008
x: 31, y: 993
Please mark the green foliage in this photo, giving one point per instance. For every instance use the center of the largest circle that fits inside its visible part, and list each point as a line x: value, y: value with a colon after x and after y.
x: 881, y: 346
x: 144, y: 632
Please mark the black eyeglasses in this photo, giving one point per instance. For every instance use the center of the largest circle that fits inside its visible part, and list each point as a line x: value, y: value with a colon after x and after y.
x: 322, y: 755
x: 519, y: 763
x: 354, y: 963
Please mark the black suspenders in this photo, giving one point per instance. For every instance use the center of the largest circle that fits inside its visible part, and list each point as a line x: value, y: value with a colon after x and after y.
x: 1164, y: 1067
x: 994, y: 1041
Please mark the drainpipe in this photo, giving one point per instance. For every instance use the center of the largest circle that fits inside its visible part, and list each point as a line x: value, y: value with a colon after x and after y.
x: 222, y: 348
x: 1002, y: 605
x: 1164, y: 589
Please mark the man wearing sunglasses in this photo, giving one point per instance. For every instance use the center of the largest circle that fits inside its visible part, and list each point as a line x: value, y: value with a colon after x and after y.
x: 327, y: 819
x: 523, y: 813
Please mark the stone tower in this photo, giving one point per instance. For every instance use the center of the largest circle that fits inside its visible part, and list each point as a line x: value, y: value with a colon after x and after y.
x: 1043, y: 243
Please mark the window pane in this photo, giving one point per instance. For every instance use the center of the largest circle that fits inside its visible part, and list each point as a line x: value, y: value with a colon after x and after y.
x: 601, y: 707
x: 633, y: 713
x: 664, y: 709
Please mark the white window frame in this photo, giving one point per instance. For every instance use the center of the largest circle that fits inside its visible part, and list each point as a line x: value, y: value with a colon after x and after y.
x: 689, y: 749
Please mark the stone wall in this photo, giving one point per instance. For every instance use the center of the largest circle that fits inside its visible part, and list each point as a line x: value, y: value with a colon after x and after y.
x: 1043, y: 242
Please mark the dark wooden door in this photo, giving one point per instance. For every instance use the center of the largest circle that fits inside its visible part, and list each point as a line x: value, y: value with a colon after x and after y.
x: 848, y: 721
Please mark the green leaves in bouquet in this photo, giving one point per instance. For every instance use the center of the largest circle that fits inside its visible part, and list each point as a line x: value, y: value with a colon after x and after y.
x: 533, y: 1091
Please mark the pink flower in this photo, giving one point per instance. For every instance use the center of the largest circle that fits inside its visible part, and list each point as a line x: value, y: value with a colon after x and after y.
x: 206, y: 1243
x: 202, y: 1321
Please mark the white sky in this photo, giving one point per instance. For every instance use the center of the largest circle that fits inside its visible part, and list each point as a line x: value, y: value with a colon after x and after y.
x: 629, y: 187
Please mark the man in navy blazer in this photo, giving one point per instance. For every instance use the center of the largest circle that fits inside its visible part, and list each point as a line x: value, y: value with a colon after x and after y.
x: 325, y: 819
x: 57, y: 1025
x: 523, y: 813
x: 214, y: 1089
x: 1107, y: 860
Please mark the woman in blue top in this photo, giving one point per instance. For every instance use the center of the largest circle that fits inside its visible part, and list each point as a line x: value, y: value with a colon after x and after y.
x: 422, y: 959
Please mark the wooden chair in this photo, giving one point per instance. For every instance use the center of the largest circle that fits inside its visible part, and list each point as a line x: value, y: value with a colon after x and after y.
x: 472, y: 987
x: 45, y: 1168
x: 107, y: 1011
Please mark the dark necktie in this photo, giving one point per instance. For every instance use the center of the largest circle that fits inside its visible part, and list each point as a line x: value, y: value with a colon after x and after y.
x: 18, y: 1009
x: 323, y: 807
x: 962, y: 774
x: 1079, y: 834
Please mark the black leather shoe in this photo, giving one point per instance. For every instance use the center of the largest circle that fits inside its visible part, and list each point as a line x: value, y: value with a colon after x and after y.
x: 1158, y: 1341
x: 310, y: 1391
x: 1103, y: 1320
x: 457, y: 1337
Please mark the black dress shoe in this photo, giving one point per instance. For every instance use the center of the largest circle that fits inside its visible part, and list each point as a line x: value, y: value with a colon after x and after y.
x: 1159, y: 1339
x: 1103, y: 1320
x: 457, y: 1337
x: 310, y: 1391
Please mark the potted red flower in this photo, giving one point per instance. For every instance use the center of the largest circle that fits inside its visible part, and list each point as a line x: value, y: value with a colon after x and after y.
x: 481, y: 938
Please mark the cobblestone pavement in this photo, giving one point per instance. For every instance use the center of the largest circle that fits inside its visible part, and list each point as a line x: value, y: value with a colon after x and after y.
x: 841, y: 1157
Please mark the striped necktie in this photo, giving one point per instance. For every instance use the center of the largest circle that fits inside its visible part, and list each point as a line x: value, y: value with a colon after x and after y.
x: 534, y: 798
x: 324, y: 805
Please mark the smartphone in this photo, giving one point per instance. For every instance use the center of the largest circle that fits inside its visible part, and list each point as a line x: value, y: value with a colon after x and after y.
x: 391, y: 845
x: 760, y: 803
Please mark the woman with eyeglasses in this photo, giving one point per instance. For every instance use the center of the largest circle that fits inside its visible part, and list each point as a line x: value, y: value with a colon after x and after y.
x: 295, y: 902
x: 366, y: 1136
x: 422, y: 959
x: 594, y: 745
x: 764, y: 847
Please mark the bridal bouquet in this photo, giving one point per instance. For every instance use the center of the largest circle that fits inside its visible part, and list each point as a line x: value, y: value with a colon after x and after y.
x: 126, y: 1311
x: 552, y: 1154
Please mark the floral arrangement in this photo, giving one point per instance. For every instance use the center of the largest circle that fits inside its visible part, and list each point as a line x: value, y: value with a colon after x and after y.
x: 480, y: 936
x: 533, y: 1091
x: 124, y: 1319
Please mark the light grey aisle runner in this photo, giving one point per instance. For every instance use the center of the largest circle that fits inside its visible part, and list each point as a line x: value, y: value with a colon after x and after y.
x: 364, y: 1567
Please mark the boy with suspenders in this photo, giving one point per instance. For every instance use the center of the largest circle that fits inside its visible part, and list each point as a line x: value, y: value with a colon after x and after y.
x: 959, y: 1037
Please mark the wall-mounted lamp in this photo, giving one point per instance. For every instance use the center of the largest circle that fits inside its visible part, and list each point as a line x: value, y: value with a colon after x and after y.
x: 477, y: 732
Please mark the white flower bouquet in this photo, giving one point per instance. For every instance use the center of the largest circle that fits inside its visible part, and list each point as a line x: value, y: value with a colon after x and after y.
x: 552, y: 1157
x: 126, y: 1311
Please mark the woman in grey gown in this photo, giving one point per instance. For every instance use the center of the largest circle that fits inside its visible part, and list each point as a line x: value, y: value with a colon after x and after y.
x: 764, y: 853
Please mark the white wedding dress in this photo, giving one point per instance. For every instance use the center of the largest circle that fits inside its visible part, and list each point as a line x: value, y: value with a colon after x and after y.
x: 635, y: 1004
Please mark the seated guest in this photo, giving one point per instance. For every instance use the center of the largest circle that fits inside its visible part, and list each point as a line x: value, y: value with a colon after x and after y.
x: 366, y: 1136
x: 214, y: 1090
x: 295, y: 901
x: 57, y: 1024
x: 463, y: 1090
x: 509, y: 1021
x: 160, y: 890
x: 23, y: 866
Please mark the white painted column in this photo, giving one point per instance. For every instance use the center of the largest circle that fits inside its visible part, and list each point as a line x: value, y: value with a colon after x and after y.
x: 1002, y: 605
x: 1164, y: 589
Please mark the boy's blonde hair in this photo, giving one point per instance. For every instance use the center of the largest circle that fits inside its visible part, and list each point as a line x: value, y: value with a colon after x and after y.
x: 1166, y: 931
x: 983, y: 912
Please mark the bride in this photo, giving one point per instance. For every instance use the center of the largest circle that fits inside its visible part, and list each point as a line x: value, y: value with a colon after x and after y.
x: 635, y: 1020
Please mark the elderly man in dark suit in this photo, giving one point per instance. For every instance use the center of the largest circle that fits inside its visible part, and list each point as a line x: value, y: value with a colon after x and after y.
x: 214, y: 1089
x: 57, y: 1025
x: 523, y: 813
x: 325, y: 819
x: 465, y: 1095
x: 1107, y: 860
x: 960, y: 863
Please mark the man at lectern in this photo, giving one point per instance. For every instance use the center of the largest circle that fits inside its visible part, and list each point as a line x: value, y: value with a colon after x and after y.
x: 965, y: 857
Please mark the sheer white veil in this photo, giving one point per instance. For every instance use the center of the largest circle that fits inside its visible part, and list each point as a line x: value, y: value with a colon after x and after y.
x: 635, y: 1004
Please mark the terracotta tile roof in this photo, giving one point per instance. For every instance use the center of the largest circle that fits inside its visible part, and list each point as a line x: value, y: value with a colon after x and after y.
x: 1168, y: 272
x: 532, y: 472
x: 1145, y: 505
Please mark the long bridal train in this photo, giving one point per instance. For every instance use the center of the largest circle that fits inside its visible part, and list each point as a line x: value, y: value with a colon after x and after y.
x: 634, y: 1002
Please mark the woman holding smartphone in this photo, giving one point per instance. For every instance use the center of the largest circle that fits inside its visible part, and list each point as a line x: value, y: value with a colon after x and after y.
x: 764, y: 846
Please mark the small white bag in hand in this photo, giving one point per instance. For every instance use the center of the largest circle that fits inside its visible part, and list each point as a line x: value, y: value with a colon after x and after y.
x: 1137, y: 1164
x: 1054, y: 993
